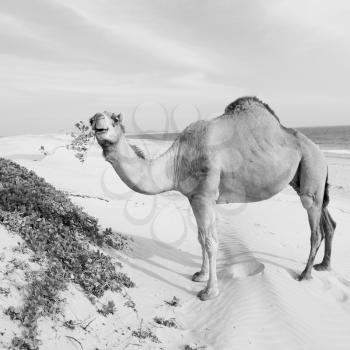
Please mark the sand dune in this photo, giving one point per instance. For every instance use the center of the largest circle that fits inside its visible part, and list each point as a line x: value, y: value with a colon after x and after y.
x: 263, y: 247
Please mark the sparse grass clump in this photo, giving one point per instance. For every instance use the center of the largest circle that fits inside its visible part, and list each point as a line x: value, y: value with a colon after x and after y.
x: 70, y: 324
x: 195, y: 347
x: 171, y: 323
x: 173, y: 302
x: 145, y: 333
x: 108, y: 309
x: 60, y: 234
x: 4, y: 291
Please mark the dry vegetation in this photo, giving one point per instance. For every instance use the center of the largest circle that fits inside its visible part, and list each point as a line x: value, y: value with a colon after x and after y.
x: 65, y: 243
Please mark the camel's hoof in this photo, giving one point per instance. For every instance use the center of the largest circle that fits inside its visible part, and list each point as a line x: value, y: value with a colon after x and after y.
x: 207, y: 294
x: 322, y: 267
x: 305, y: 276
x: 200, y: 277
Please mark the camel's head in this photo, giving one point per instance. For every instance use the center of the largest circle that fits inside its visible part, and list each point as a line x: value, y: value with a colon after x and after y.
x: 107, y: 126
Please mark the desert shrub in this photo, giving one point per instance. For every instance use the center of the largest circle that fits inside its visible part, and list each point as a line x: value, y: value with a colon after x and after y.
x: 50, y: 223
x: 59, y: 233
x: 41, y: 299
x: 118, y: 242
x: 26, y: 193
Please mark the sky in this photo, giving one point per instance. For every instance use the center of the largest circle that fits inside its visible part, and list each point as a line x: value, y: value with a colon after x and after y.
x: 164, y: 64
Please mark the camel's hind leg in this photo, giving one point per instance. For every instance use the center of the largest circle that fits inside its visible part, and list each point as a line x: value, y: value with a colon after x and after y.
x: 322, y: 226
x: 314, y: 215
x: 327, y: 226
x: 312, y: 187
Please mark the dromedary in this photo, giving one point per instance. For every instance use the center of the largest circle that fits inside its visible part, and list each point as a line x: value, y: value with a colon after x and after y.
x: 245, y: 155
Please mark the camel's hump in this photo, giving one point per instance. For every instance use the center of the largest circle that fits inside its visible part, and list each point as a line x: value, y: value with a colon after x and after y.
x: 246, y: 104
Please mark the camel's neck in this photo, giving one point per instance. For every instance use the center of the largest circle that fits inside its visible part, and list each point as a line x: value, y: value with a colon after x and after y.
x: 143, y: 176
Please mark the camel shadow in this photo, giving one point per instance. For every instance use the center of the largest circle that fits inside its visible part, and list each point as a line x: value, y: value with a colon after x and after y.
x: 149, y: 250
x: 145, y: 248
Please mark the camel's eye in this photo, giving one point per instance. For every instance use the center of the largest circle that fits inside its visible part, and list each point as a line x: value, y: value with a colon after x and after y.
x: 92, y: 120
x: 116, y: 118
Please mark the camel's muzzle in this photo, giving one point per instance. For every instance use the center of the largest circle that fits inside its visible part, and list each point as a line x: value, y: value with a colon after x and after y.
x: 98, y: 124
x: 100, y: 130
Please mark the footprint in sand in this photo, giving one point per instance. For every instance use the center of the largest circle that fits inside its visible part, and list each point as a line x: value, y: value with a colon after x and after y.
x: 242, y: 269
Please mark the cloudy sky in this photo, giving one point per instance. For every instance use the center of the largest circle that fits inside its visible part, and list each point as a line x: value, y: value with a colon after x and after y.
x: 62, y: 61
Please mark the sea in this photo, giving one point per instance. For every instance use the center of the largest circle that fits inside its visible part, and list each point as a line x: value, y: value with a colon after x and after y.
x: 334, y: 139
x: 330, y: 138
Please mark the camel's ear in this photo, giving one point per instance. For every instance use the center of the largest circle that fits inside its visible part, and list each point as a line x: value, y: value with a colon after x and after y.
x: 117, y: 118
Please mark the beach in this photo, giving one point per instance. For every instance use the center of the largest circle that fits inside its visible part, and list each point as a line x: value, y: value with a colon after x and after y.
x: 196, y: 104
x: 262, y: 248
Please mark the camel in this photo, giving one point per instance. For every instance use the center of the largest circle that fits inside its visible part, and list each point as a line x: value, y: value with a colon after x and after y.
x: 245, y: 155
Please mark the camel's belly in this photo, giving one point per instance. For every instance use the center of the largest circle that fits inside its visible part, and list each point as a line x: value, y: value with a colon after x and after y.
x: 257, y: 180
x: 237, y: 192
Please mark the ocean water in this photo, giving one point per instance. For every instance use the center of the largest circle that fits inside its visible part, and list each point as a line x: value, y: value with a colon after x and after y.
x: 333, y: 138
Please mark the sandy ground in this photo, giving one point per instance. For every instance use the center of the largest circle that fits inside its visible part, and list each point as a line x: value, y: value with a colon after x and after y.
x: 263, y: 247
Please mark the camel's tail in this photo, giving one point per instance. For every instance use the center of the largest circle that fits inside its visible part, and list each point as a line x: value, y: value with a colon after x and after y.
x: 327, y: 224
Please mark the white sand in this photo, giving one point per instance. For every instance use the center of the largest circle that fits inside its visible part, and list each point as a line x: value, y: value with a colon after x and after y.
x: 263, y: 246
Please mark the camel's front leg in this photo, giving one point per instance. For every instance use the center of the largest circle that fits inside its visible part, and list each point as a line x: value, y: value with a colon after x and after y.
x: 204, y: 212
x: 203, y: 274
